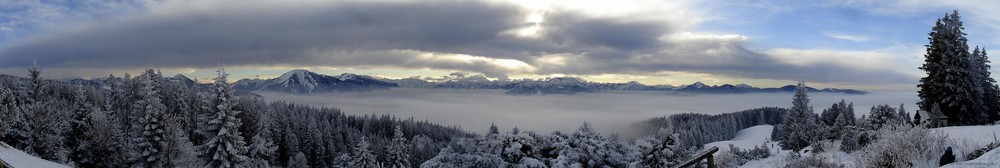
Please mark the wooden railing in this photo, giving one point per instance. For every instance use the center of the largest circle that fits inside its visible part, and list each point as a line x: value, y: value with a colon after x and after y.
x: 706, y: 155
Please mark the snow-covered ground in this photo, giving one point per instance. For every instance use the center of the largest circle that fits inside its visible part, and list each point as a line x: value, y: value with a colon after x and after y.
x: 964, y: 139
x: 19, y: 159
x: 746, y: 138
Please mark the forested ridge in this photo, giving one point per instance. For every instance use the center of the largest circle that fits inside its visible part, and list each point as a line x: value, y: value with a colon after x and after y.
x: 148, y: 121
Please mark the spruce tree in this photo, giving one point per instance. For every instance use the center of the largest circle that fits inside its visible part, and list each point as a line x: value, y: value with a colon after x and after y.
x: 396, y: 153
x: 225, y: 146
x: 902, y: 117
x: 43, y: 140
x: 79, y: 139
x: 493, y: 129
x: 362, y: 156
x: 8, y: 111
x: 988, y: 85
x: 949, y: 81
x: 262, y: 148
x: 798, y: 127
x: 152, y: 142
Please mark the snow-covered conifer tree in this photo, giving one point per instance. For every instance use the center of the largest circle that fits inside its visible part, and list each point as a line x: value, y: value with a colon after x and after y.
x: 883, y: 115
x: 396, y: 153
x: 988, y: 85
x: 665, y: 152
x: 262, y: 148
x: 104, y: 148
x: 798, y: 127
x: 225, y: 146
x: 949, y: 76
x: 494, y: 129
x: 79, y: 140
x: 362, y: 155
x: 8, y: 111
x: 153, y: 138
x: 44, y: 139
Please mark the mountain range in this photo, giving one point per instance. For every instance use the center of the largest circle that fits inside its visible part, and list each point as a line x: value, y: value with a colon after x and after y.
x: 304, y: 82
x: 301, y: 81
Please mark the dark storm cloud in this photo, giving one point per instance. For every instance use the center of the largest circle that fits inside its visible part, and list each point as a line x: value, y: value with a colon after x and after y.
x: 279, y: 34
x: 396, y: 34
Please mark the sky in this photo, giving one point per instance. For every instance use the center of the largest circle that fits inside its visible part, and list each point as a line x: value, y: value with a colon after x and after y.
x: 861, y: 44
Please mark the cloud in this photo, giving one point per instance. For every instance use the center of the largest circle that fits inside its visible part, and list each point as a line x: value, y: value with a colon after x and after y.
x: 476, y: 109
x: 849, y: 37
x: 454, y: 35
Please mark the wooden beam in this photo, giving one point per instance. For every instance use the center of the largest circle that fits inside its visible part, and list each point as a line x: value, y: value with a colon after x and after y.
x: 706, y: 155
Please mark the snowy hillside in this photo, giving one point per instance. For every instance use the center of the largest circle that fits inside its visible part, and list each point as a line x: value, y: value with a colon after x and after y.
x: 19, y: 159
x: 963, y: 139
x: 990, y: 159
x: 746, y: 138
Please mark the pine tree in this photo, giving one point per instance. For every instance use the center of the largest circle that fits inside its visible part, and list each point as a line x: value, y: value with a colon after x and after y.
x: 104, y: 149
x: 916, y: 119
x: 262, y: 149
x: 362, y: 156
x: 43, y: 140
x: 883, y: 115
x: 299, y: 160
x: 179, y: 151
x: 225, y: 146
x: 78, y: 140
x: 494, y: 129
x: 152, y: 141
x: 988, y: 85
x: 396, y: 153
x: 798, y: 127
x: 902, y: 117
x: 949, y: 81
x: 8, y: 111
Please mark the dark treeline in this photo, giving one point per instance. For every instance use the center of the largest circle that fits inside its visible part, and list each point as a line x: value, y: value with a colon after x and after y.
x: 698, y: 129
x: 152, y: 121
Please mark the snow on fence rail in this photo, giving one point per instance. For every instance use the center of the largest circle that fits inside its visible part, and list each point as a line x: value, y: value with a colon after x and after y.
x: 706, y: 155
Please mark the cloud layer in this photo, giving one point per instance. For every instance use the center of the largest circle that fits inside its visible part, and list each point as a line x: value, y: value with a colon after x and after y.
x: 474, y: 110
x: 456, y: 35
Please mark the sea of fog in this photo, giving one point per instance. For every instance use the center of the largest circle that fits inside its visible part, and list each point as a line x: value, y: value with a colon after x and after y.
x: 475, y: 110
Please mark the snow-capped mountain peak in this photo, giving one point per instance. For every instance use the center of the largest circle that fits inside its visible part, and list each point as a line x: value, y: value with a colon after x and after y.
x: 301, y: 77
x: 305, y: 81
x: 696, y: 85
x: 565, y: 81
x: 348, y: 76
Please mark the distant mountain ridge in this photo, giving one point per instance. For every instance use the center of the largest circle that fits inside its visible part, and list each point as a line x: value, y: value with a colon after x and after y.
x: 301, y: 81
x: 304, y: 82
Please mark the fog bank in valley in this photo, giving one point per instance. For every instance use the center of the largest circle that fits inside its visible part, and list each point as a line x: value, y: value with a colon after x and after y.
x: 474, y: 110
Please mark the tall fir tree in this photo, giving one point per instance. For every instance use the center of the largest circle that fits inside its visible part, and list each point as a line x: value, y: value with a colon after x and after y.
x: 363, y: 157
x: 990, y: 91
x: 798, y: 126
x: 263, y: 151
x: 493, y: 129
x: 151, y: 143
x: 949, y: 81
x: 79, y: 141
x: 396, y: 153
x: 8, y: 112
x: 225, y: 146
x: 44, y: 139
